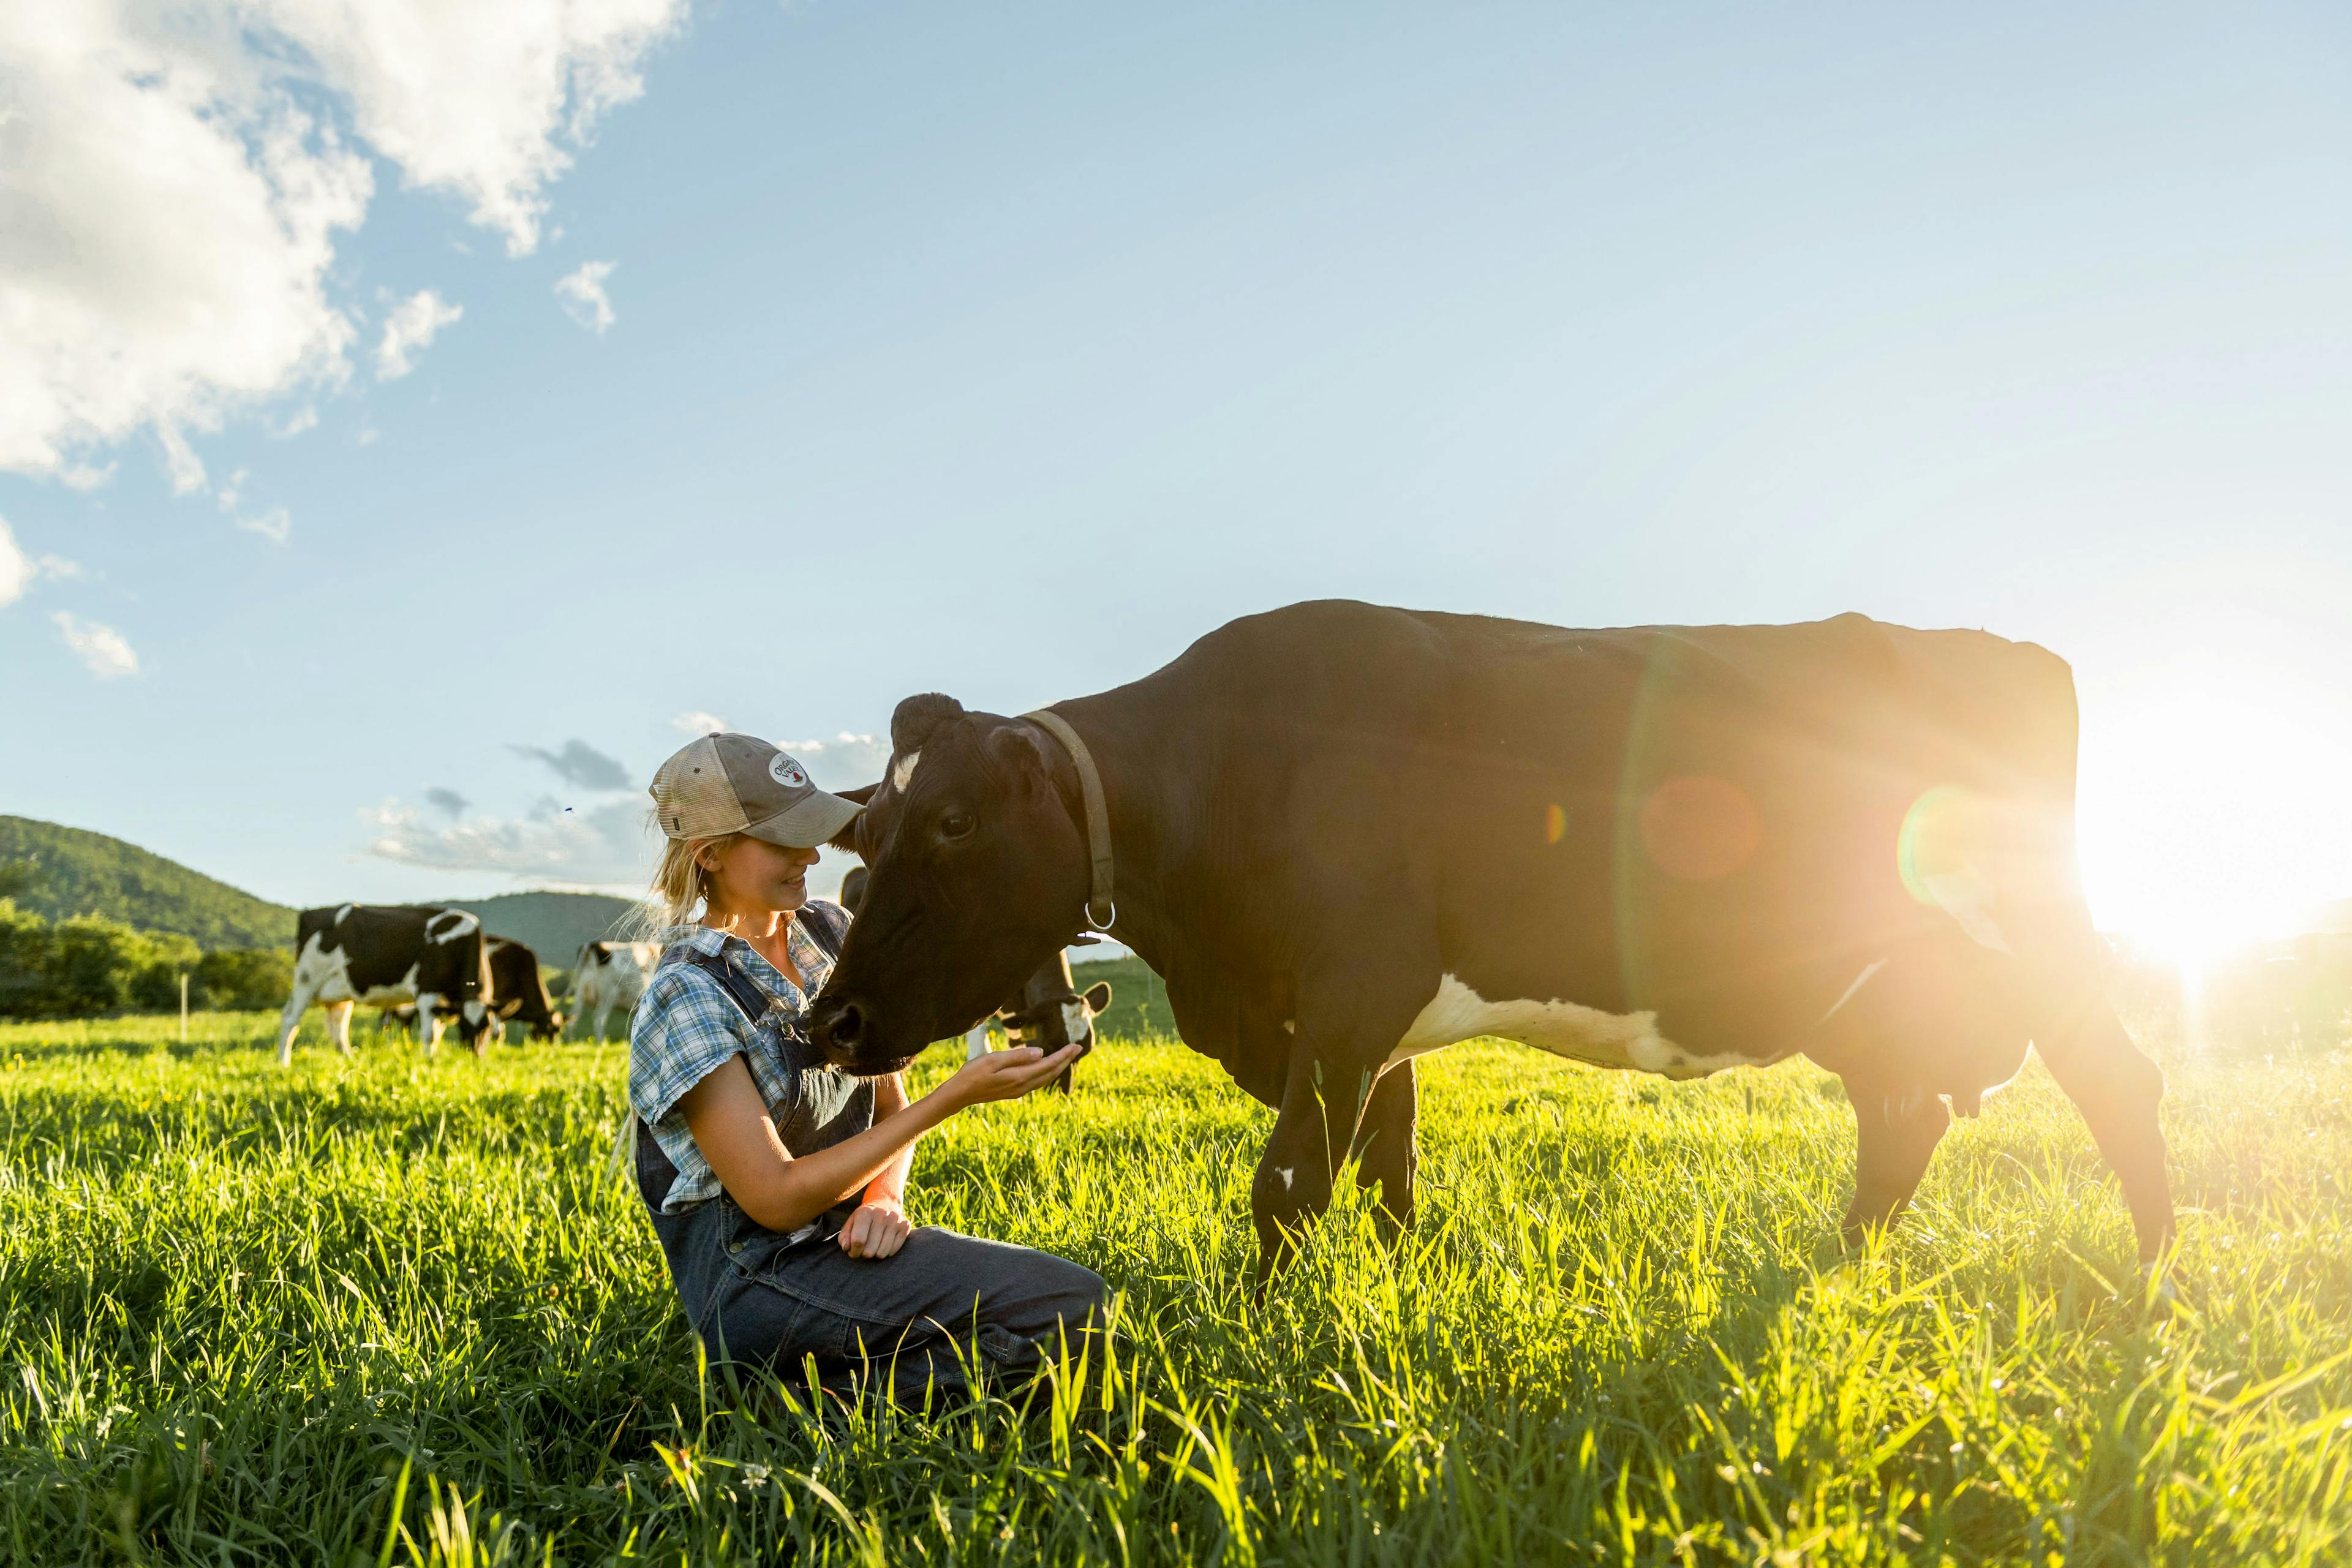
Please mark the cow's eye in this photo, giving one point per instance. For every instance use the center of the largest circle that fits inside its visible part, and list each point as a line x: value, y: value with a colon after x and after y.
x: 956, y: 825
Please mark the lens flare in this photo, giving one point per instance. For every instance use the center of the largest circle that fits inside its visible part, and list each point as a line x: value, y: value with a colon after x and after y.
x: 1939, y: 833
x: 1555, y: 824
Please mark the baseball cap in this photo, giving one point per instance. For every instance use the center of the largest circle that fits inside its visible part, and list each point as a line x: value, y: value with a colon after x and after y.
x: 740, y: 783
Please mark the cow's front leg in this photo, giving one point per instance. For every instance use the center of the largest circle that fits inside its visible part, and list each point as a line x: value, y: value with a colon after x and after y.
x: 1321, y: 1103
x: 1385, y: 1151
x: 1895, y: 1133
x: 1334, y: 1076
x: 290, y: 1019
x: 428, y: 1020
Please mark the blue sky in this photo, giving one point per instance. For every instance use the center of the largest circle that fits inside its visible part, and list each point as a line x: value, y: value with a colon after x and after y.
x: 1004, y: 350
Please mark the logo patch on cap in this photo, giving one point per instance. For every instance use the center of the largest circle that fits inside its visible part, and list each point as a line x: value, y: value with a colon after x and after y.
x: 787, y: 772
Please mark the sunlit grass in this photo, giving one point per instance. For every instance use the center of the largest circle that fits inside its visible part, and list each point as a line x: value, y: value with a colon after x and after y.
x: 245, y: 1311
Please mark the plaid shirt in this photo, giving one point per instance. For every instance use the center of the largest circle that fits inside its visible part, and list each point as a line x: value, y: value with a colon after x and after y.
x: 686, y: 1027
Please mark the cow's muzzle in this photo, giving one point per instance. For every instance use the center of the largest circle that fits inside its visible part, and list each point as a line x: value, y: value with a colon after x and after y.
x: 846, y: 1034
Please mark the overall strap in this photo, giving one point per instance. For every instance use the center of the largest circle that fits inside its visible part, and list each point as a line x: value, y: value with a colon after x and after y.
x: 826, y: 926
x: 747, y: 997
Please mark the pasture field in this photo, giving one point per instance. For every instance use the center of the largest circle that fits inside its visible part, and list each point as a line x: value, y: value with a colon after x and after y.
x: 384, y: 1309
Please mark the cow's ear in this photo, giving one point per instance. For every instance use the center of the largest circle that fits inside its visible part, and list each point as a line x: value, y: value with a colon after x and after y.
x: 847, y: 838
x: 1097, y: 996
x: 1020, y: 749
x: 913, y: 720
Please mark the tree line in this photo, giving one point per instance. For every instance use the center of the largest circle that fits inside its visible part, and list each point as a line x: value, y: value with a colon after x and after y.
x: 85, y: 965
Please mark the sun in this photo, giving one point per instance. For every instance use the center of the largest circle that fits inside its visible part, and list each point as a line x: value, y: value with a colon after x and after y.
x: 2211, y: 820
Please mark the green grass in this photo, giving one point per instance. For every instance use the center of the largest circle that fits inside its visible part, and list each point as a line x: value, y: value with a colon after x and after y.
x: 384, y: 1309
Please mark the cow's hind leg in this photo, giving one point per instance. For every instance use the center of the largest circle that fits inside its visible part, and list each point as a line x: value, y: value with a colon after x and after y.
x: 2119, y: 1091
x: 339, y: 1026
x: 1895, y: 1133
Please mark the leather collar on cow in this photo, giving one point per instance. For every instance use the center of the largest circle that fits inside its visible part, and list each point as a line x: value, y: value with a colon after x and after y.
x: 1098, y: 815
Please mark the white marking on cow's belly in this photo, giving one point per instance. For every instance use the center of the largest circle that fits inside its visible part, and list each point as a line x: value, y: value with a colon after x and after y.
x: 1564, y: 1028
x: 1074, y: 1027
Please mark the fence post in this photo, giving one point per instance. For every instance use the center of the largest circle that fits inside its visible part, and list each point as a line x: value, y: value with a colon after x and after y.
x: 184, y: 1007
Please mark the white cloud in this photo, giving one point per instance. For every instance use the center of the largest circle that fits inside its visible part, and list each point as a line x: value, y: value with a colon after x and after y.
x: 610, y: 844
x: 845, y: 761
x: 20, y: 571
x: 411, y: 328
x: 100, y: 648
x: 696, y: 723
x: 273, y: 525
x: 17, y: 568
x: 177, y: 176
x: 583, y: 296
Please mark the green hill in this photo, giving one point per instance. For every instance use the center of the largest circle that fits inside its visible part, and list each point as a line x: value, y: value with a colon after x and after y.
x: 551, y: 925
x: 58, y: 872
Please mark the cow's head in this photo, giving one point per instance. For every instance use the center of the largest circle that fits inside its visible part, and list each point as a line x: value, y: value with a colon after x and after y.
x: 979, y: 876
x: 1051, y: 1011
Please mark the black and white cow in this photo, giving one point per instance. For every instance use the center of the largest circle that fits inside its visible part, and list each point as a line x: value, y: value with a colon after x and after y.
x: 1347, y: 835
x: 611, y: 974
x: 517, y: 993
x: 380, y: 956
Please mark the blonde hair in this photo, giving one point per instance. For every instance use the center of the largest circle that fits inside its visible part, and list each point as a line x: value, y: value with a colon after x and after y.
x: 680, y: 885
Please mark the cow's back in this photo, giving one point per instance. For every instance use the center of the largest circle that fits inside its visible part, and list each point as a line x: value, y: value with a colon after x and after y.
x: 1709, y: 822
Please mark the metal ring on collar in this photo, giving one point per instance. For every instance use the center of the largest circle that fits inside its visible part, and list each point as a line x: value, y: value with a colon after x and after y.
x: 1107, y: 922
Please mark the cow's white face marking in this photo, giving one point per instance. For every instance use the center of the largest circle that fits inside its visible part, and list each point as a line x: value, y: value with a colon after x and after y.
x: 1074, y: 1027
x: 1847, y: 994
x: 1284, y: 1172
x: 1564, y: 1028
x: 902, y: 772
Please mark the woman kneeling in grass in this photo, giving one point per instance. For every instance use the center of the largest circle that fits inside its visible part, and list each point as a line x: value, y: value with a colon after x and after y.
x: 776, y: 1184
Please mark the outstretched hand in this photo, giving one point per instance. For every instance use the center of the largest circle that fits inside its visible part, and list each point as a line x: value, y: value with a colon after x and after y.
x: 1008, y: 1075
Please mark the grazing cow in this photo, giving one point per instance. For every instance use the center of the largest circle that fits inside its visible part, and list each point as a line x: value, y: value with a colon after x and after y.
x: 380, y: 956
x: 1345, y: 835
x: 517, y: 992
x: 1050, y: 1011
x: 611, y: 974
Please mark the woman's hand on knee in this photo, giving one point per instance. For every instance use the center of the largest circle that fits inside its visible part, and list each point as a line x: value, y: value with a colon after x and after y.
x: 878, y: 1229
